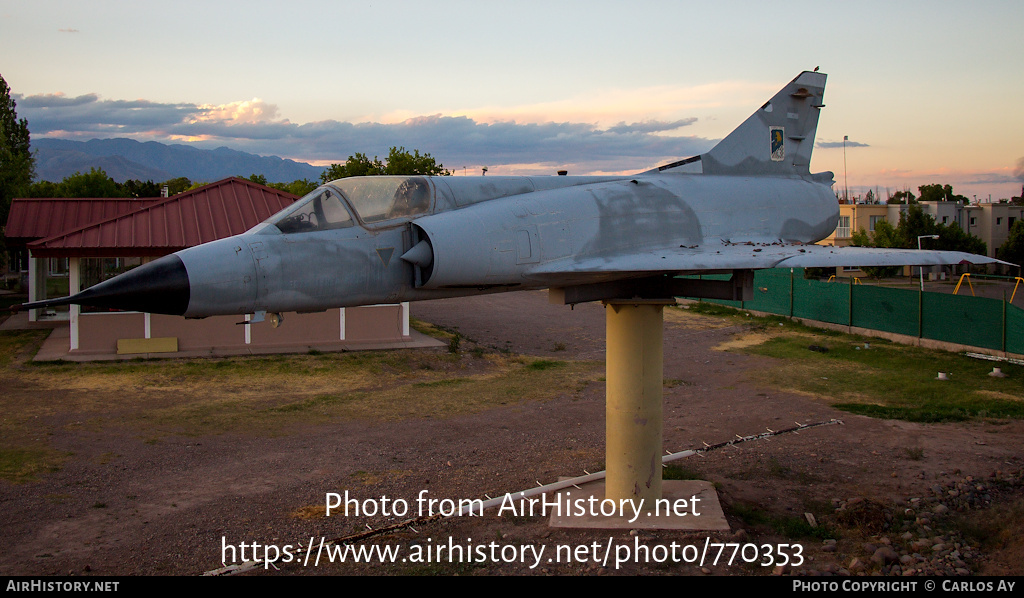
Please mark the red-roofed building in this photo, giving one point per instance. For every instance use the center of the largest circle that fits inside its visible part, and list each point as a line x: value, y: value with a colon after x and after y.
x: 33, y: 219
x: 101, y: 238
x: 207, y: 213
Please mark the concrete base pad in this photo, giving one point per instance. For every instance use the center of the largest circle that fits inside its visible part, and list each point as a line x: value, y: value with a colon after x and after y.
x: 704, y: 514
x: 56, y: 347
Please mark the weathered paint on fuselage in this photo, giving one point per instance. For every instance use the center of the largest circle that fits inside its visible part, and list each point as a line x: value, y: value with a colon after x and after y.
x: 488, y: 233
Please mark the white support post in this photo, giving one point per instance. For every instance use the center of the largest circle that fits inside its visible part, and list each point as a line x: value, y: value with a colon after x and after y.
x: 405, y: 319
x: 34, y: 292
x: 342, y: 318
x: 74, y: 286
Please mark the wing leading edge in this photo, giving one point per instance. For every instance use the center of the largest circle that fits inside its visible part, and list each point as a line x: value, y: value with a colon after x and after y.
x: 741, y: 257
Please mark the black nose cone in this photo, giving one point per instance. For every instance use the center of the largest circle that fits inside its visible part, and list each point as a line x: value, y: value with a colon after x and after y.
x: 159, y: 287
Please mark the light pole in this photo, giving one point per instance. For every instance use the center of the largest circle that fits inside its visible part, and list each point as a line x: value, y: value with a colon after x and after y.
x: 846, y: 181
x: 921, y: 268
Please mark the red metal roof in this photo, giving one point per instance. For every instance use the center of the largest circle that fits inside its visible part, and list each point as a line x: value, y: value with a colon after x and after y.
x: 31, y: 219
x: 208, y: 213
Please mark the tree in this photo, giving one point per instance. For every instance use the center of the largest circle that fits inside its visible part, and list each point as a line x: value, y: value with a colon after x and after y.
x: 136, y: 188
x: 176, y: 186
x: 400, y: 162
x: 915, y: 223
x: 885, y: 235
x: 954, y: 238
x: 939, y: 193
x: 298, y: 187
x: 1013, y: 249
x: 17, y: 166
x: 904, y: 196
x: 44, y: 189
x: 95, y: 183
x: 356, y: 165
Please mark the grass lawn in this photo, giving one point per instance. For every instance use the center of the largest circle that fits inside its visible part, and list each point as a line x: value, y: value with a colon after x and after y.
x: 874, y: 377
x: 276, y: 394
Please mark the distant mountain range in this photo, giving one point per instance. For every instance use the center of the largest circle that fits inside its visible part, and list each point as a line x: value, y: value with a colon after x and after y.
x: 124, y: 159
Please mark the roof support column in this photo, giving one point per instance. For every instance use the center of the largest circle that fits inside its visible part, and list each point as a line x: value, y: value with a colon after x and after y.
x: 74, y: 286
x: 36, y: 284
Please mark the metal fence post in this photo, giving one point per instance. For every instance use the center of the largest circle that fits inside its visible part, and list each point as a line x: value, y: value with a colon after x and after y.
x: 849, y: 318
x: 1004, y: 320
x: 791, y: 292
x: 920, y: 313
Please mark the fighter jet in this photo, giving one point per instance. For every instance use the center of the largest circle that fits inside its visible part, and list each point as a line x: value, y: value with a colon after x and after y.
x: 748, y: 203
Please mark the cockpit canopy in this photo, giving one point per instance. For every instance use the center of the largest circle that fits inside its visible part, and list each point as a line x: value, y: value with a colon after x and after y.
x: 374, y: 199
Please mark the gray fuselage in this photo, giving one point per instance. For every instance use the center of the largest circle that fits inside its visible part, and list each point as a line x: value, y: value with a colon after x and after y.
x: 490, y: 233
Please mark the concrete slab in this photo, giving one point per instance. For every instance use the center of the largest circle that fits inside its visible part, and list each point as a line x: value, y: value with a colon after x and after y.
x: 581, y: 509
x: 19, y: 321
x: 57, y: 347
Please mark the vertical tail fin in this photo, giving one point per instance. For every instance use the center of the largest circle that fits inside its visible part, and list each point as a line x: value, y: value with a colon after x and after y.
x: 776, y: 139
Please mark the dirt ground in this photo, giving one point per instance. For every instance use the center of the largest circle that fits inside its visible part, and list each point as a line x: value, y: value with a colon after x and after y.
x: 123, y: 506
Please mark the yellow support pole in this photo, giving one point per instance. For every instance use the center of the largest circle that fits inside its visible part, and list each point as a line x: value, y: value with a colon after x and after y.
x: 634, y: 365
x: 1019, y: 280
x: 965, y: 276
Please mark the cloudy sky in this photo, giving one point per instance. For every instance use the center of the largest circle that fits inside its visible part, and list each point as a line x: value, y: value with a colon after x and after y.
x: 928, y: 92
